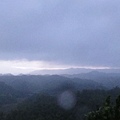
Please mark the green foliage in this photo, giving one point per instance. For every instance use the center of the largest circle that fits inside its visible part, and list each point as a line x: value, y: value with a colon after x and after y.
x: 45, y: 107
x: 107, y: 111
x: 8, y: 95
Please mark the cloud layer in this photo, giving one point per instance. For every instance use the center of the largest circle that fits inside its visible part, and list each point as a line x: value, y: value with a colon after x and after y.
x: 81, y: 32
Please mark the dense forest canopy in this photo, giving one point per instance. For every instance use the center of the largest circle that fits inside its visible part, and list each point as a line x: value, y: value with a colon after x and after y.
x: 53, y: 97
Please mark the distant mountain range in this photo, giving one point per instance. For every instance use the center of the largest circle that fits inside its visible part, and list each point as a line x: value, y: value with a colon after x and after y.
x: 72, y: 71
x: 47, y: 83
x: 43, y: 83
x: 108, y: 80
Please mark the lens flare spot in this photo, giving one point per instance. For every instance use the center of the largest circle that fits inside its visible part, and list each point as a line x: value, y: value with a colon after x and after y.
x: 67, y: 100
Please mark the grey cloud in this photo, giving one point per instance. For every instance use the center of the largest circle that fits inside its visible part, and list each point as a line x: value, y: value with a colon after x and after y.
x: 81, y: 32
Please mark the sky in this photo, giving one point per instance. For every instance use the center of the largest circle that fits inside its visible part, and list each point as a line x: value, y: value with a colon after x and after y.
x: 53, y: 34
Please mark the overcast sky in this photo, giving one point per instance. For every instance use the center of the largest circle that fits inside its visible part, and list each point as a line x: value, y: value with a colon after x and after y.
x: 59, y: 33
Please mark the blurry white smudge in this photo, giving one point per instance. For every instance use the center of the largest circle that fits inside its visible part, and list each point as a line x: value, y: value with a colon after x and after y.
x: 67, y: 100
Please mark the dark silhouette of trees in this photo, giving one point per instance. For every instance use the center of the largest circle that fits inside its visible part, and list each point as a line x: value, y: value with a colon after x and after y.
x: 107, y: 111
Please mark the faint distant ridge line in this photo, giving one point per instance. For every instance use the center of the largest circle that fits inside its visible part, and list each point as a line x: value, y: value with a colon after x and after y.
x: 72, y: 71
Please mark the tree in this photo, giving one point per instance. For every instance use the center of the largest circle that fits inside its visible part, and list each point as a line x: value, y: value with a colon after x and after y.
x: 106, y: 112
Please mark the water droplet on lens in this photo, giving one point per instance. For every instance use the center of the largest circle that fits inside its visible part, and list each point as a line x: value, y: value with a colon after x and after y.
x: 67, y: 100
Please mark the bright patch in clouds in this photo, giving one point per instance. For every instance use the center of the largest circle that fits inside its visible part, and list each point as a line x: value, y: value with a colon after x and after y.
x: 25, y: 66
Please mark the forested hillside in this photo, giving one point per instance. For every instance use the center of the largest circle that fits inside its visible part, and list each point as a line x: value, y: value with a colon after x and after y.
x: 44, y: 107
x: 108, y: 80
x: 8, y: 94
x: 46, y: 83
x: 53, y: 97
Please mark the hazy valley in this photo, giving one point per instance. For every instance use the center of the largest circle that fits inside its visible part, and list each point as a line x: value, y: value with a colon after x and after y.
x: 26, y: 94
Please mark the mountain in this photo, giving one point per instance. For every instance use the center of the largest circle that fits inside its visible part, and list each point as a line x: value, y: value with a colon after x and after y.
x: 44, y: 83
x: 72, y: 71
x: 109, y: 80
x: 60, y: 71
x: 66, y: 106
x: 8, y: 94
